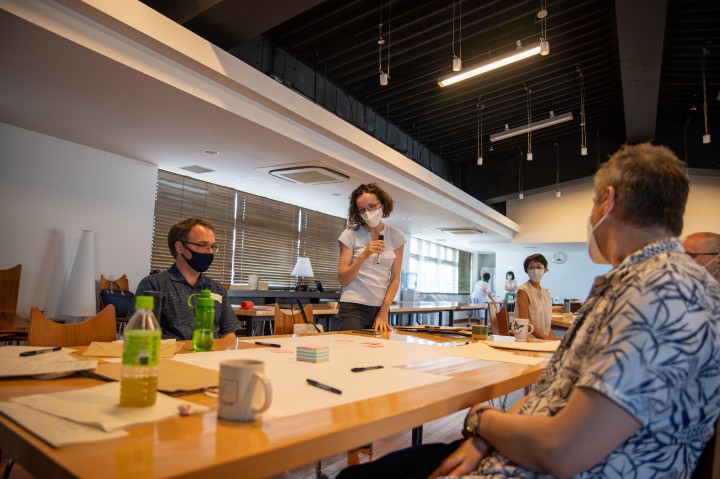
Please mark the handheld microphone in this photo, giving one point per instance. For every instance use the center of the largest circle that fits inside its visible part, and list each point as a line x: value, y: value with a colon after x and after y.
x: 381, y: 238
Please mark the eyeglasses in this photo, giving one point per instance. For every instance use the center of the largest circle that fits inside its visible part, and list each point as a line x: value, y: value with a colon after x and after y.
x: 370, y: 207
x: 213, y: 247
x: 703, y: 254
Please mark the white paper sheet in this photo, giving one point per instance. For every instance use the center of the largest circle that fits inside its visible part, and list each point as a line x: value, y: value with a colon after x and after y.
x: 482, y: 351
x: 57, y: 362
x: 98, y: 407
x: 54, y: 430
x: 540, y: 346
x: 292, y: 395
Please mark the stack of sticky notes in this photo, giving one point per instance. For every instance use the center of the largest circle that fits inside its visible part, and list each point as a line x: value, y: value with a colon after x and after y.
x: 313, y: 354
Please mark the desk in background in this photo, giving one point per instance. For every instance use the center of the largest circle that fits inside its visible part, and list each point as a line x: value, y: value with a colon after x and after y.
x: 281, y: 297
x: 412, y: 309
x: 201, y: 446
x: 263, y: 317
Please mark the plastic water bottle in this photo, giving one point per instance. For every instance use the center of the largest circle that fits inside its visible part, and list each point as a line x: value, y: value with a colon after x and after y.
x: 203, y: 331
x: 138, y: 386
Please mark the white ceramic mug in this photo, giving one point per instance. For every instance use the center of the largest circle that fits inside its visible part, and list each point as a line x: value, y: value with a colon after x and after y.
x: 521, y: 328
x: 244, y: 390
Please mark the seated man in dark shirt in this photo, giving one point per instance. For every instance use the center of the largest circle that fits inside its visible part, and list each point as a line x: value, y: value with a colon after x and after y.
x: 192, y: 244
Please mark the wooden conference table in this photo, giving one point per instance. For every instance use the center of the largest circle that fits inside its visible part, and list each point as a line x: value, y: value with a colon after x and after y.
x: 412, y: 309
x: 265, y: 314
x: 200, y: 445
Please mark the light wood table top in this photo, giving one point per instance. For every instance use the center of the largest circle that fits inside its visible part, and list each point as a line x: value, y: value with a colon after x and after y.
x: 560, y: 321
x: 269, y: 310
x: 202, y: 446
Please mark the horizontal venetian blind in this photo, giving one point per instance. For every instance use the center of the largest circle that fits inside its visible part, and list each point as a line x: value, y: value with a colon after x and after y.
x: 319, y: 241
x: 180, y: 197
x: 267, y: 240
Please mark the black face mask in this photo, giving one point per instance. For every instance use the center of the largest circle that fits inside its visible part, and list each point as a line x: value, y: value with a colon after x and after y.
x: 200, y: 262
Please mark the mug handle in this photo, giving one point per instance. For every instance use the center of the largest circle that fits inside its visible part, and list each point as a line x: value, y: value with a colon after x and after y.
x: 268, y: 392
x: 531, y: 328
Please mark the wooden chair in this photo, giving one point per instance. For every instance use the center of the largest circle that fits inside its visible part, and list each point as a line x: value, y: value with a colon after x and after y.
x: 284, y: 322
x: 46, y: 332
x: 498, y: 321
x: 9, y: 289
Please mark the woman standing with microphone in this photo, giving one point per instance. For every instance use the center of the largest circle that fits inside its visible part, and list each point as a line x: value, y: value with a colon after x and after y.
x: 371, y: 255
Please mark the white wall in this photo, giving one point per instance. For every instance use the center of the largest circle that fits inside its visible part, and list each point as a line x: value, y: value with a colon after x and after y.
x: 546, y: 220
x: 51, y: 190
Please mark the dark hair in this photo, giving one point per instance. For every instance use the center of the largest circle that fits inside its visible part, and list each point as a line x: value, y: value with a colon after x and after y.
x: 179, y: 232
x: 538, y: 258
x: 354, y: 218
x: 486, y: 276
x: 651, y: 187
x: 511, y: 274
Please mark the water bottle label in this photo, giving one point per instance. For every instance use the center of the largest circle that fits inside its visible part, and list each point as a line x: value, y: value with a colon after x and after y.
x: 142, y: 348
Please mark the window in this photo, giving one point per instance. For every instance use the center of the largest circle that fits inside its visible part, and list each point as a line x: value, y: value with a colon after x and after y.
x: 439, y: 269
x: 256, y: 235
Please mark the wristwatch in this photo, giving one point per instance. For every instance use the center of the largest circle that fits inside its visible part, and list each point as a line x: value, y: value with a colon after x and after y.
x: 472, y: 421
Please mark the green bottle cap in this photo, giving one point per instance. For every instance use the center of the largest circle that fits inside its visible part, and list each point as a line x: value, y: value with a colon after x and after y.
x: 144, y: 302
x: 204, y: 300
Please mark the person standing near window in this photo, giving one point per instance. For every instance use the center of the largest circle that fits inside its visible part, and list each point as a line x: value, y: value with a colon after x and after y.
x: 533, y: 301
x: 371, y: 255
x: 511, y: 288
x: 481, y: 295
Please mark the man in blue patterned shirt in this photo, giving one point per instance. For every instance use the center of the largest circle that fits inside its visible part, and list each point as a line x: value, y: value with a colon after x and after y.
x: 633, y: 390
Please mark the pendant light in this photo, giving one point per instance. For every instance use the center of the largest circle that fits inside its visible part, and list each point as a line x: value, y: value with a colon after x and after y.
x: 384, y: 75
x: 706, y: 136
x: 480, y: 108
x: 457, y: 59
x: 557, y: 168
x: 520, y: 177
x: 529, y: 117
x: 583, y: 126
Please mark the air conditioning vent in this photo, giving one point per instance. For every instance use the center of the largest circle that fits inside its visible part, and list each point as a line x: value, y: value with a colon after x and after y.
x: 309, y: 175
x: 461, y: 231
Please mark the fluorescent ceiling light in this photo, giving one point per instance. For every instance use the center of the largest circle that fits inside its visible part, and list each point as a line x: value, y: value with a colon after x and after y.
x: 553, y: 120
x: 498, y: 62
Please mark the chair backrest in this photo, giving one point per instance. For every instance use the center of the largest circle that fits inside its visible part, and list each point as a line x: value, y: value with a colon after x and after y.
x: 498, y: 320
x: 9, y: 289
x: 502, y: 319
x: 119, y: 283
x: 284, y: 322
x: 46, y: 332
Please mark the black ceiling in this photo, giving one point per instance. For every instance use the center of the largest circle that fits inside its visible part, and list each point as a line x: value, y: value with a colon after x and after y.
x: 300, y: 42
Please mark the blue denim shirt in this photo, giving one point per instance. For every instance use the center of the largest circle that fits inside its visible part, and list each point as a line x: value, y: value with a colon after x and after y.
x: 177, y: 319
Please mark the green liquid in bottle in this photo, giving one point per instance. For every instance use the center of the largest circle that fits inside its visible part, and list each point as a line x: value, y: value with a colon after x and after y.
x: 202, y: 339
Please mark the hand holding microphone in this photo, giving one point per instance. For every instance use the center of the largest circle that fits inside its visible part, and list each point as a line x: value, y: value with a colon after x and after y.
x: 381, y: 238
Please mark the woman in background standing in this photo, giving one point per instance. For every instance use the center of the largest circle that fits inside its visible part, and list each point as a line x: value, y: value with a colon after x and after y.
x: 511, y: 288
x: 533, y: 301
x: 370, y: 259
x: 481, y: 295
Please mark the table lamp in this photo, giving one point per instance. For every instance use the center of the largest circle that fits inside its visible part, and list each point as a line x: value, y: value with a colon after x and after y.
x: 302, y: 270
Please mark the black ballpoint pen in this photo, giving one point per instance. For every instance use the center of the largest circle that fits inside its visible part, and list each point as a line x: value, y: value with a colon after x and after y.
x: 39, y: 351
x: 272, y: 345
x: 312, y: 382
x: 367, y: 368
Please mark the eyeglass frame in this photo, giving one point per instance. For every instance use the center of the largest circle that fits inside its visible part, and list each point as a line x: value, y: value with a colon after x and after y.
x: 214, y: 247
x: 370, y: 207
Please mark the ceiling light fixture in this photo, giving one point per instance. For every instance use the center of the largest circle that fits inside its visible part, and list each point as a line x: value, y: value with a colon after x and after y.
x: 706, y: 136
x: 552, y: 120
x: 457, y: 59
x: 557, y: 168
x: 384, y: 75
x: 583, y: 132
x: 480, y: 108
x: 529, y: 117
x: 520, y: 53
x: 520, y: 177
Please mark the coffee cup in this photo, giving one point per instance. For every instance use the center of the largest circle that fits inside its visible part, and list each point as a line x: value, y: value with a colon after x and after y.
x: 521, y: 328
x: 480, y: 331
x: 244, y: 391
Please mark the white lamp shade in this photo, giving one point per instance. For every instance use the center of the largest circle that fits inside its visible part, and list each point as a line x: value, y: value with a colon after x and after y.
x: 79, y: 294
x: 303, y: 268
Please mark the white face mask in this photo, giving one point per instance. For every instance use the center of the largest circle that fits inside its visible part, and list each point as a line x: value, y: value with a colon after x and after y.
x: 372, y: 218
x: 536, y: 274
x: 593, y: 249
